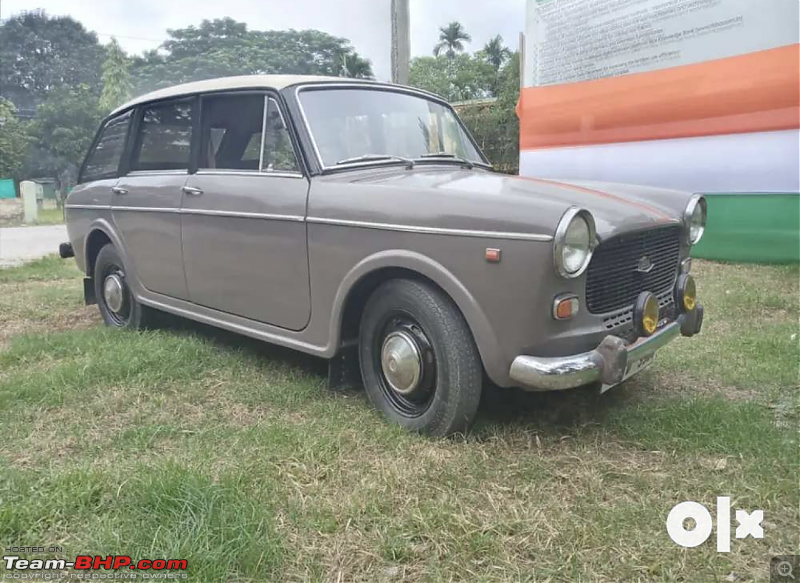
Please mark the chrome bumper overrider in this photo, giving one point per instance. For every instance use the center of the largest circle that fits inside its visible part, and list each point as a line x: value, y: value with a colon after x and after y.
x: 606, y: 364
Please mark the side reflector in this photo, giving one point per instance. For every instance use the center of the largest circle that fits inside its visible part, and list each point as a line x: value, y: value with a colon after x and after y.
x: 565, y: 307
x: 493, y: 255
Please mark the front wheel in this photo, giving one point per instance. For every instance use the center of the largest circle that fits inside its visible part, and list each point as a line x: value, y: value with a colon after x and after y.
x: 114, y: 298
x: 419, y: 362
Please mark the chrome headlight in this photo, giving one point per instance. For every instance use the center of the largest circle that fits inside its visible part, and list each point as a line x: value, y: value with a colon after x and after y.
x: 694, y: 218
x: 574, y: 242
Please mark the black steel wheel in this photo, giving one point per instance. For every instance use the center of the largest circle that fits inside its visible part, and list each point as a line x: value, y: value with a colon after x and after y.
x: 117, y: 304
x: 419, y: 362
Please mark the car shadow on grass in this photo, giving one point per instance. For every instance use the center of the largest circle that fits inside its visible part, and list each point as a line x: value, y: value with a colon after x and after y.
x: 554, y: 412
x: 248, y: 346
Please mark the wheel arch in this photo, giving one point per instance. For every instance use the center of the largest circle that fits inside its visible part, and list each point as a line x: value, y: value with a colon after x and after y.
x: 100, y: 234
x: 368, y: 274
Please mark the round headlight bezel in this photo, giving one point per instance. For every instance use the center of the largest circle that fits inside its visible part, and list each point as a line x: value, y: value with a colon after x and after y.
x: 559, y: 241
x: 696, y: 202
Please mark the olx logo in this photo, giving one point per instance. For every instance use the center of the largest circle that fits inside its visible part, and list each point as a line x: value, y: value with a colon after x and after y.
x: 749, y: 524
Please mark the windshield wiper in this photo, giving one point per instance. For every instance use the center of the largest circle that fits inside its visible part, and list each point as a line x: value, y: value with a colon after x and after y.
x: 377, y: 158
x: 459, y: 159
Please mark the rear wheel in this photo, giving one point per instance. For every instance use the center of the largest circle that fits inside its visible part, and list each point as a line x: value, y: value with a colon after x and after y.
x: 419, y: 362
x: 114, y: 298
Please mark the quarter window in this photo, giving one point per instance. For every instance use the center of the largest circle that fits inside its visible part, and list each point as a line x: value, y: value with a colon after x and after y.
x: 165, y: 137
x: 279, y: 154
x: 103, y: 162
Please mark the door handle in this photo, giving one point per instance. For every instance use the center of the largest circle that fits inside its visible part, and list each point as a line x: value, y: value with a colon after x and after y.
x: 192, y: 191
x: 118, y: 190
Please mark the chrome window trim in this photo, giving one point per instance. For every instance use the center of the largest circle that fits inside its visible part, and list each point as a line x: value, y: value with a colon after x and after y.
x: 157, y: 172
x: 184, y: 211
x: 376, y: 87
x: 243, y: 215
x: 105, y: 207
x: 223, y: 172
x: 430, y: 230
x: 336, y: 222
x: 146, y: 209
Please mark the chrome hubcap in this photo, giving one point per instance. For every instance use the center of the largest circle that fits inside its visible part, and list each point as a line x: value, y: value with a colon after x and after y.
x: 114, y: 292
x: 401, y: 362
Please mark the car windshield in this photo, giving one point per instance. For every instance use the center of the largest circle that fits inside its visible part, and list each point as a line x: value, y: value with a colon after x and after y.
x: 357, y: 124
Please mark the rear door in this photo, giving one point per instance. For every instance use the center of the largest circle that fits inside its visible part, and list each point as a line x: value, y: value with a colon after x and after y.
x: 146, y: 202
x: 243, y: 214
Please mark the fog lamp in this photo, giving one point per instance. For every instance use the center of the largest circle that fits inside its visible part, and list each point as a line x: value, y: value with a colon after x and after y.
x: 686, y: 293
x: 645, y: 314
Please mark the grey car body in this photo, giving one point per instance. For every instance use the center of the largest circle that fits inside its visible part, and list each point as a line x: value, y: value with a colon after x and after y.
x: 291, y: 257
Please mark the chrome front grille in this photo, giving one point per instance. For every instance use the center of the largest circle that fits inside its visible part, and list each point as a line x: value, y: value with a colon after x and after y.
x: 625, y: 266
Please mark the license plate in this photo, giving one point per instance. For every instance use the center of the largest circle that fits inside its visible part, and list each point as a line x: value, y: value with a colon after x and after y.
x: 633, y: 368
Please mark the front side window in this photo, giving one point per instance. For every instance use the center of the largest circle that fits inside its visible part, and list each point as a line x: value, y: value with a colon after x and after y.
x: 103, y: 162
x: 232, y: 132
x: 349, y: 123
x: 234, y: 129
x: 165, y: 137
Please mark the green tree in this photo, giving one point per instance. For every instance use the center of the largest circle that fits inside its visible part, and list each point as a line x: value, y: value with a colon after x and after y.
x: 14, y: 141
x: 461, y: 78
x: 225, y: 47
x: 63, y: 129
x: 116, y: 78
x: 495, y: 126
x: 451, y: 40
x: 495, y: 53
x: 39, y: 53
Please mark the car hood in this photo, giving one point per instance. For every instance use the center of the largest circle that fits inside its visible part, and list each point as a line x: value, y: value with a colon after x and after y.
x: 477, y: 199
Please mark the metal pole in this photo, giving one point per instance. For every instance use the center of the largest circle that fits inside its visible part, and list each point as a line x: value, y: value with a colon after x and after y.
x: 401, y: 41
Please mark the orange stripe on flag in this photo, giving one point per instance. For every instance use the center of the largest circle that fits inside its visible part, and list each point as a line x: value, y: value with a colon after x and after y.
x: 756, y: 92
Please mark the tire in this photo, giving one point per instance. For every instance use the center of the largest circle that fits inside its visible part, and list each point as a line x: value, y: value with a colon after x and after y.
x: 406, y: 322
x: 130, y: 313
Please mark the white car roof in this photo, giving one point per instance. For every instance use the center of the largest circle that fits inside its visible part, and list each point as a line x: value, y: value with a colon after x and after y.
x: 276, y: 82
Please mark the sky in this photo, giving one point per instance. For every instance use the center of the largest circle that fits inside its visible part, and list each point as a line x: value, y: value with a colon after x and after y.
x: 139, y: 25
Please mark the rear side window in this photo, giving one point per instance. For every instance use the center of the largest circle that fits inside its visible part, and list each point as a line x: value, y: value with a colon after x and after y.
x: 164, y: 139
x: 103, y: 161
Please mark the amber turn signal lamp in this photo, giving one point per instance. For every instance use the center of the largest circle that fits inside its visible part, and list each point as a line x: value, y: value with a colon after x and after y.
x: 645, y: 314
x: 565, y: 307
x: 686, y: 293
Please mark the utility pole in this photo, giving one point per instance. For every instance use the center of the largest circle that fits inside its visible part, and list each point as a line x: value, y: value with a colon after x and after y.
x: 401, y: 41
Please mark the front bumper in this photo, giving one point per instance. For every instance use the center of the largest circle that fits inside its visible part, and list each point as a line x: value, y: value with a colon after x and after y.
x: 606, y: 364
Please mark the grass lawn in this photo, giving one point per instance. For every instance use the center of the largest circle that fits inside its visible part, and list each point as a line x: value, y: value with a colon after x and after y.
x: 189, y: 443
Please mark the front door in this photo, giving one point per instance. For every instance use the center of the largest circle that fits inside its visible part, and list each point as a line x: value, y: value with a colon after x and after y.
x: 146, y: 201
x: 243, y: 215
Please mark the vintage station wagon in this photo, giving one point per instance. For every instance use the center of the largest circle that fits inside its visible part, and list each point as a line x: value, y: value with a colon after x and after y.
x: 360, y: 222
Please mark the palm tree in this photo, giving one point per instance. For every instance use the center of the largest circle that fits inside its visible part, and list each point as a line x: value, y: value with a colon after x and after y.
x: 451, y: 40
x: 356, y: 67
x: 495, y: 53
